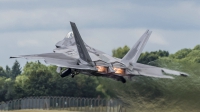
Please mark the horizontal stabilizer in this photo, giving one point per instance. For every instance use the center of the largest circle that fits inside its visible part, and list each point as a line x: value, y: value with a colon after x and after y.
x: 152, y: 71
x: 167, y: 71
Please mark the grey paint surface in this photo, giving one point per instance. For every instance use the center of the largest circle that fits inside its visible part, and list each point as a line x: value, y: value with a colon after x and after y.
x: 73, y: 53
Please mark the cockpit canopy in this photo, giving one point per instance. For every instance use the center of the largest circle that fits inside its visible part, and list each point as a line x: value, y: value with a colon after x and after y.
x: 70, y: 35
x: 67, y: 41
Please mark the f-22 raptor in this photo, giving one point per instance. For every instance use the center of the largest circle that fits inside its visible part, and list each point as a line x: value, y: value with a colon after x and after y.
x: 73, y: 56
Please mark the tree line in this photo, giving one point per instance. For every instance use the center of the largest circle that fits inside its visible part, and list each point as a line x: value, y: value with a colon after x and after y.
x: 37, y: 79
x: 166, y: 95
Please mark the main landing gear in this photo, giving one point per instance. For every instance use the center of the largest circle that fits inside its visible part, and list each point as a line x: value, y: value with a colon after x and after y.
x: 120, y: 78
x: 68, y: 72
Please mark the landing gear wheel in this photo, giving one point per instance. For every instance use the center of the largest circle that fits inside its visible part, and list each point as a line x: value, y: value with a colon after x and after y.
x: 123, y: 80
x: 72, y: 75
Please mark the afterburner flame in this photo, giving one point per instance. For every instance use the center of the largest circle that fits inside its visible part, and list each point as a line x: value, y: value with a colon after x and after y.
x: 119, y: 71
x: 102, y: 69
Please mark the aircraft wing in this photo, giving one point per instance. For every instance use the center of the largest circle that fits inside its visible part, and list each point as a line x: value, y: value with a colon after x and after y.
x: 151, y: 71
x: 58, y: 59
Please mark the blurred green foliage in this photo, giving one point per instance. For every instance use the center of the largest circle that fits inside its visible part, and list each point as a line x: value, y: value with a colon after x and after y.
x: 141, y: 94
x: 40, y: 80
x: 144, y: 58
x: 144, y: 94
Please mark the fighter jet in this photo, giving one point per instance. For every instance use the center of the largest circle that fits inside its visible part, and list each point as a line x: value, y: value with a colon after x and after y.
x: 73, y: 56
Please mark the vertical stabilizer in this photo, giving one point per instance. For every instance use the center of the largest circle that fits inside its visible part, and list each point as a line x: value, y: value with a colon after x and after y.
x: 134, y: 53
x: 83, y: 53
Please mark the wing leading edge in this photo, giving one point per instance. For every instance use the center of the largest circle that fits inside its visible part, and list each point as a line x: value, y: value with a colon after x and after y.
x: 44, y: 55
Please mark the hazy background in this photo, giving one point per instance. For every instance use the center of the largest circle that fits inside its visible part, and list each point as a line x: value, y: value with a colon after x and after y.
x: 34, y: 26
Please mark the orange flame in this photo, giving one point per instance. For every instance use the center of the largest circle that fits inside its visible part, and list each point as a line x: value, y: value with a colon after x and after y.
x: 102, y: 69
x: 119, y: 71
